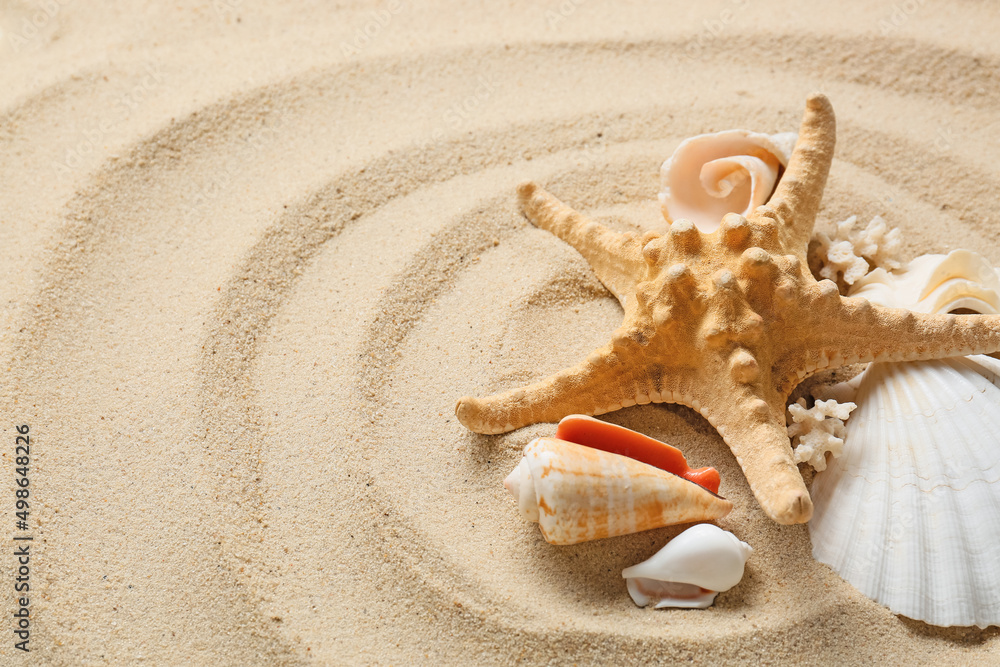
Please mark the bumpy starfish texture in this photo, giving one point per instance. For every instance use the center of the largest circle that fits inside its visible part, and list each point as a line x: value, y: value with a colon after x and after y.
x: 727, y: 323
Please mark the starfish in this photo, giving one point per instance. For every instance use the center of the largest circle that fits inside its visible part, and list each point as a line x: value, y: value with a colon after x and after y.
x: 727, y: 323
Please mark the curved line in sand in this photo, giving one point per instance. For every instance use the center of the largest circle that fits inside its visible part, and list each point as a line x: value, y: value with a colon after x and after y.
x: 267, y: 272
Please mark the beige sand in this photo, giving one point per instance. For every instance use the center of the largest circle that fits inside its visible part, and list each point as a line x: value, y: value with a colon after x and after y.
x: 250, y: 256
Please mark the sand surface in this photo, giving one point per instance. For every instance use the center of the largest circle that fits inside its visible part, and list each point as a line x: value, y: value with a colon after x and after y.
x: 251, y: 255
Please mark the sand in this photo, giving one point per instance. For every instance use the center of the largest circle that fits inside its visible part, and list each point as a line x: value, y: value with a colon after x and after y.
x: 251, y: 253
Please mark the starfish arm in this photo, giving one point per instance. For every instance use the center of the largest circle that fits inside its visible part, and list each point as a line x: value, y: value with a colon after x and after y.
x: 852, y: 330
x: 754, y: 429
x: 795, y: 201
x: 616, y: 258
x: 604, y: 382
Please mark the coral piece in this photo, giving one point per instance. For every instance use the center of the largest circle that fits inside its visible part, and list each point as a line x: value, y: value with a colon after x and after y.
x: 584, y: 430
x: 726, y: 172
x: 909, y: 513
x: 854, y: 251
x: 690, y: 570
x: 817, y: 431
x: 727, y: 323
x: 578, y: 493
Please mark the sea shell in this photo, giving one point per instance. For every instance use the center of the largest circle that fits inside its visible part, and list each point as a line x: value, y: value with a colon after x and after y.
x: 711, y: 175
x: 910, y: 513
x: 590, y: 432
x: 959, y: 281
x: 577, y: 493
x: 690, y: 570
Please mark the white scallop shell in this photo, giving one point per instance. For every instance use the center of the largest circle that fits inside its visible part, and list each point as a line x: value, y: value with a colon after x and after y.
x: 711, y: 175
x: 910, y: 512
x: 690, y: 570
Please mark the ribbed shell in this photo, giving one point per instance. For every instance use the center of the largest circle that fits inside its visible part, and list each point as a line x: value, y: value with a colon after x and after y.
x: 910, y: 512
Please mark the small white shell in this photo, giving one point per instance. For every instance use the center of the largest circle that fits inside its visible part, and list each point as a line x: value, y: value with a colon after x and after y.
x: 910, y: 512
x: 690, y: 570
x: 711, y: 175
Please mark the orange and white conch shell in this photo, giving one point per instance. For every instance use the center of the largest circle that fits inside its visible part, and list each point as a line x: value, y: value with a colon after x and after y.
x: 577, y: 494
x: 711, y: 175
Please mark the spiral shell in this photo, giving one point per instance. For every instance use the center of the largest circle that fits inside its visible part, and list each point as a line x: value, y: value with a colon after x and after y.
x: 711, y: 175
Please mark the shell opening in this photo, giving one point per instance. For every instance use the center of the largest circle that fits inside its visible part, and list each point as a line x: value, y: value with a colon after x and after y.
x: 662, y: 594
x: 690, y: 570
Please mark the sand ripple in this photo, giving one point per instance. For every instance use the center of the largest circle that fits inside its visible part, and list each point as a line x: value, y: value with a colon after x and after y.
x: 242, y: 347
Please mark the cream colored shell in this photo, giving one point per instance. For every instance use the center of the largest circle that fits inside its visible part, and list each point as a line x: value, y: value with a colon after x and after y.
x: 711, y: 175
x: 960, y: 280
x: 577, y: 493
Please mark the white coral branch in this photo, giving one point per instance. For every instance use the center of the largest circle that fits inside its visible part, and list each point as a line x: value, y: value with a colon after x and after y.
x: 853, y: 251
x: 818, y: 430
